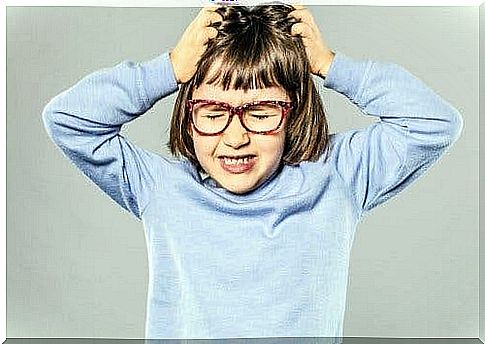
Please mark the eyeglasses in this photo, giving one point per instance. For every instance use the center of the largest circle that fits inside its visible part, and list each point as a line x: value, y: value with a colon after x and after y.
x: 211, y: 117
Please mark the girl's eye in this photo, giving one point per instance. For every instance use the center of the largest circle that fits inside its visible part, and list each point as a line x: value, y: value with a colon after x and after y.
x: 262, y: 114
x: 260, y: 117
x: 213, y: 116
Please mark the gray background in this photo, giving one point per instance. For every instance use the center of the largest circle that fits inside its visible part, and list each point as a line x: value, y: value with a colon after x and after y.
x: 482, y: 168
x: 76, y: 262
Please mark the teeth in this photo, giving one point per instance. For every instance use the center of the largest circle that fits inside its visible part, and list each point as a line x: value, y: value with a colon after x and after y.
x: 229, y: 161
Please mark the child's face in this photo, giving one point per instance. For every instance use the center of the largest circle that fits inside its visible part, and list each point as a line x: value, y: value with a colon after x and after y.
x: 239, y: 176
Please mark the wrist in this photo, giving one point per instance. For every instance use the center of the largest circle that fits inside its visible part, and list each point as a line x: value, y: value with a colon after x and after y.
x: 174, y: 66
x: 157, y: 78
x: 327, y: 62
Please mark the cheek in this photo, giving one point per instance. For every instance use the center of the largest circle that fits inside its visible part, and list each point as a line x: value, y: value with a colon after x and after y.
x: 204, y: 146
x: 273, y: 148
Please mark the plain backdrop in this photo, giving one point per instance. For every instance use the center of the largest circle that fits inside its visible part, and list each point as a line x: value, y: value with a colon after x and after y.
x: 482, y: 168
x: 76, y: 261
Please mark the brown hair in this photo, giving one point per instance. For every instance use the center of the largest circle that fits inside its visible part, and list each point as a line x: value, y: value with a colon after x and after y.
x: 257, y: 50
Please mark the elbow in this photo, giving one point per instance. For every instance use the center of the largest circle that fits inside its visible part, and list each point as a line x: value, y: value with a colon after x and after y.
x: 455, y: 126
x: 52, y: 121
x: 48, y: 118
x: 47, y: 115
x: 441, y: 132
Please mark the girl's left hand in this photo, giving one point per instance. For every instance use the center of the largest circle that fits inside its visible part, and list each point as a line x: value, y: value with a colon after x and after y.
x: 319, y: 55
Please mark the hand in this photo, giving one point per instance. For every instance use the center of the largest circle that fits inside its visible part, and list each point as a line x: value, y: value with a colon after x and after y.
x: 192, y: 44
x: 319, y: 55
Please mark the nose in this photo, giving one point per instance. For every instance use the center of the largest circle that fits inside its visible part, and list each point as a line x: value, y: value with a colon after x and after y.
x: 235, y: 134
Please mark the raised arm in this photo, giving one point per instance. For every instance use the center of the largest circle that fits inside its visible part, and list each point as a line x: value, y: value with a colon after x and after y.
x: 85, y: 120
x: 415, y: 126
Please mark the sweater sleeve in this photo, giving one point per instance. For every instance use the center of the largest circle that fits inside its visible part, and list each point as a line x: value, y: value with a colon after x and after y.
x: 414, y: 129
x: 85, y: 122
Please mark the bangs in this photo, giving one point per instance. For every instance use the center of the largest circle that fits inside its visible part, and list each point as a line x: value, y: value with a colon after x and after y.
x: 247, y: 63
x: 236, y: 72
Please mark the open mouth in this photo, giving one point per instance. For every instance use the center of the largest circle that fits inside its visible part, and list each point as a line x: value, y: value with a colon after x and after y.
x: 239, y: 164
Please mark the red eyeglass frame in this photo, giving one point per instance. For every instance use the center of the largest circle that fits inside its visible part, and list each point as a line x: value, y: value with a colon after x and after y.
x: 238, y: 111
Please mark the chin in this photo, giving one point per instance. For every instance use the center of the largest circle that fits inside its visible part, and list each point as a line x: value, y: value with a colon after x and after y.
x: 239, y: 190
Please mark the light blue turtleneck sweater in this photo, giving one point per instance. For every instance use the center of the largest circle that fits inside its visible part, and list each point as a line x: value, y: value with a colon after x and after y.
x: 273, y: 262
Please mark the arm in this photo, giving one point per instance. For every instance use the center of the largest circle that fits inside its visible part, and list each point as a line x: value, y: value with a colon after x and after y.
x: 415, y: 128
x: 85, y: 122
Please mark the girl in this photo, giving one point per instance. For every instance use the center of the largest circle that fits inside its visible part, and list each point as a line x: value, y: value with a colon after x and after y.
x: 249, y: 231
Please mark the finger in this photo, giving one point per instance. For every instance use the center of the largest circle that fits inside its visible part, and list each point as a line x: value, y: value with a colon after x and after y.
x: 205, y: 10
x: 204, y: 35
x: 211, y: 10
x: 212, y: 17
x: 210, y: 33
x: 207, y: 18
x: 301, y: 29
x: 298, y: 14
x: 303, y: 15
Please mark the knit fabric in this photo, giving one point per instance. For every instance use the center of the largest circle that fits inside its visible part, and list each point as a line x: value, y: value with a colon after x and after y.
x: 273, y: 262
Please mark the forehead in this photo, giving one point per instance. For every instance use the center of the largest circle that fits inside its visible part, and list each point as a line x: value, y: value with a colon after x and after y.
x: 238, y: 97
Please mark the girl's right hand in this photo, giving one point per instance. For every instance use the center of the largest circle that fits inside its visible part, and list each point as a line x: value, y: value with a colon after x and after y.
x: 192, y: 44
